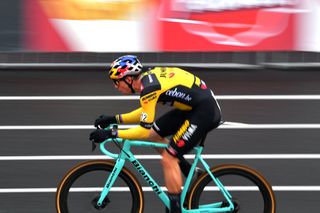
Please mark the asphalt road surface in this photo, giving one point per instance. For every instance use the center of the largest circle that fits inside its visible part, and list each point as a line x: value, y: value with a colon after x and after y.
x: 277, y: 135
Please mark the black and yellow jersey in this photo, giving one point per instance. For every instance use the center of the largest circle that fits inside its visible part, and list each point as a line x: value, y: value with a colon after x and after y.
x: 166, y: 85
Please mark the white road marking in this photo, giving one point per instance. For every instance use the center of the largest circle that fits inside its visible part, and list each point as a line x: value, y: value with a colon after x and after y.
x: 268, y: 97
x: 226, y: 125
x: 155, y: 157
x: 67, y: 98
x: 149, y: 189
x: 135, y: 97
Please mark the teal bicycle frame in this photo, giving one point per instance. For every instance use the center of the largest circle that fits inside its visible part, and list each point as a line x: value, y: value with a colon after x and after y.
x: 127, y: 155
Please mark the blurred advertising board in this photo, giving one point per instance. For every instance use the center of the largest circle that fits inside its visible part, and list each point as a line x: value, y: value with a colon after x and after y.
x: 167, y: 25
x: 308, y: 26
x: 88, y: 25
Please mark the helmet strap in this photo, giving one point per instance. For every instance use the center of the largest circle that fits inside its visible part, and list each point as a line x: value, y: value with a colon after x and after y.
x: 130, y: 86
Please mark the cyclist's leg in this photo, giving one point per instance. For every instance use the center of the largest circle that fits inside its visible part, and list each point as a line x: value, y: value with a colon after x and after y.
x: 165, y: 126
x: 169, y: 123
x: 172, y: 173
x: 188, y: 136
x: 196, y: 125
x: 173, y: 180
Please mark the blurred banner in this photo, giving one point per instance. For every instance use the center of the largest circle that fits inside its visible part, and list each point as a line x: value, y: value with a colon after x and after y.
x: 90, y: 25
x: 171, y: 25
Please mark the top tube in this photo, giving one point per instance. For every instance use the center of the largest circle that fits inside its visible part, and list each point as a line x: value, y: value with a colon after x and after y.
x: 128, y: 144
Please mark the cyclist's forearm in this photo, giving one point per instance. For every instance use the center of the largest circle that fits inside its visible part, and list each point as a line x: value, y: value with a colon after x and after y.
x: 136, y: 133
x: 129, y: 118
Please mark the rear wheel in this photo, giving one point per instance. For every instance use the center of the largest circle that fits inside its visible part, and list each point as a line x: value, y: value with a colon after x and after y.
x: 250, y: 192
x: 80, y: 190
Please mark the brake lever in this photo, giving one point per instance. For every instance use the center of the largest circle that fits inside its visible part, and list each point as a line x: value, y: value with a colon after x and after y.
x: 94, y: 146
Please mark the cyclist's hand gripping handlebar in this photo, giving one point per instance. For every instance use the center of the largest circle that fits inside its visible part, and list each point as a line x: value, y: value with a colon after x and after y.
x: 100, y: 135
x: 104, y: 121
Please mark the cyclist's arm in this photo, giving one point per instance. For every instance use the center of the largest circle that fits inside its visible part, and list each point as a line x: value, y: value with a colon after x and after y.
x: 129, y: 118
x: 146, y: 119
x: 136, y: 133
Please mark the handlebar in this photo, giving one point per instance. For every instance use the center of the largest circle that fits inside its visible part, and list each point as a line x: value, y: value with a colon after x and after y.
x: 105, y: 151
x: 102, y: 145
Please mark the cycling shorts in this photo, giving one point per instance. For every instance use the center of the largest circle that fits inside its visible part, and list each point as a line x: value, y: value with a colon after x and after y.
x: 187, y: 128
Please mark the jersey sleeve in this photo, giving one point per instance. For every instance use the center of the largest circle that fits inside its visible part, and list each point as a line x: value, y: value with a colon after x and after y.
x: 131, y: 117
x: 135, y: 133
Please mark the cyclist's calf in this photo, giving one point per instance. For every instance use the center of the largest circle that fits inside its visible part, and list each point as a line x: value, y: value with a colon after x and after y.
x: 171, y: 172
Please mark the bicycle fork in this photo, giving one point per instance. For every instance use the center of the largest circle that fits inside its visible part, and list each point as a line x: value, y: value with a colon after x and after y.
x: 111, y: 179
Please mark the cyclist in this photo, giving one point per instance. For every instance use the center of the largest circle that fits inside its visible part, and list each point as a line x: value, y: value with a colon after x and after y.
x: 195, y: 113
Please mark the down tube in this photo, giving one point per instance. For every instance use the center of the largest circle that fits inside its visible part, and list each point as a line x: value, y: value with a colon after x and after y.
x: 152, y: 183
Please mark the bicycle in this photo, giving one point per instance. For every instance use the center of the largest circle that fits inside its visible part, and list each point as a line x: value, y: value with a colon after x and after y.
x: 205, y: 194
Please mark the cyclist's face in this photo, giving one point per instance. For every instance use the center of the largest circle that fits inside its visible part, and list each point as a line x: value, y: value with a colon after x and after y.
x: 122, y: 86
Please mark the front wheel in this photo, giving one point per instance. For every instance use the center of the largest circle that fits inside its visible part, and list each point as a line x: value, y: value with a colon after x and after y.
x: 250, y: 192
x: 80, y: 190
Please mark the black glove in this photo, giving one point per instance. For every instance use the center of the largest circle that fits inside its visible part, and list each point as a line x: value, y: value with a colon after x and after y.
x: 101, y: 135
x: 104, y: 121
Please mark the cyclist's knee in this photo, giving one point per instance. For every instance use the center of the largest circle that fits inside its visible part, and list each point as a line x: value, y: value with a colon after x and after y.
x: 154, y: 136
x: 168, y: 160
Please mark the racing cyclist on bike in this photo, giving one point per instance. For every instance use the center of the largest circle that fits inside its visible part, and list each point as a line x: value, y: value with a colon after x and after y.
x: 195, y: 113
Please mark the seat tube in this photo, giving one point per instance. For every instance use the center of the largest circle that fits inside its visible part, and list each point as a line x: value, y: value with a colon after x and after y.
x: 111, y: 179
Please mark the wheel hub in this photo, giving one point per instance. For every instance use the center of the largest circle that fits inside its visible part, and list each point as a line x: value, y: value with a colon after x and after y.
x: 104, y: 203
x: 235, y: 205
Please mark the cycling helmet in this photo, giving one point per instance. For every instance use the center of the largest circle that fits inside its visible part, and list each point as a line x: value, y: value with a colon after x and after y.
x: 125, y: 66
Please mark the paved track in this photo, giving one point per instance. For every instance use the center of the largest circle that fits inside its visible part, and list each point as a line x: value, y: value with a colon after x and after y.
x: 31, y: 174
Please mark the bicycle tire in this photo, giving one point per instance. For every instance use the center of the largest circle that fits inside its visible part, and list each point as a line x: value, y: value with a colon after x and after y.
x: 268, y: 203
x: 62, y: 194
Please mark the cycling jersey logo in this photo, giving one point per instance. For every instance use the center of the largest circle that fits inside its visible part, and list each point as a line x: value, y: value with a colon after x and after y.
x: 149, y: 97
x: 150, y: 79
x: 143, y: 116
x: 171, y: 74
x: 191, y: 129
x: 164, y: 73
x: 146, y: 177
x: 184, y: 133
x: 181, y: 143
x: 176, y: 94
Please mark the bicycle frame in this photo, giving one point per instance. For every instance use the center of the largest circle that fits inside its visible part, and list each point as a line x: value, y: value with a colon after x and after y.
x: 127, y: 155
